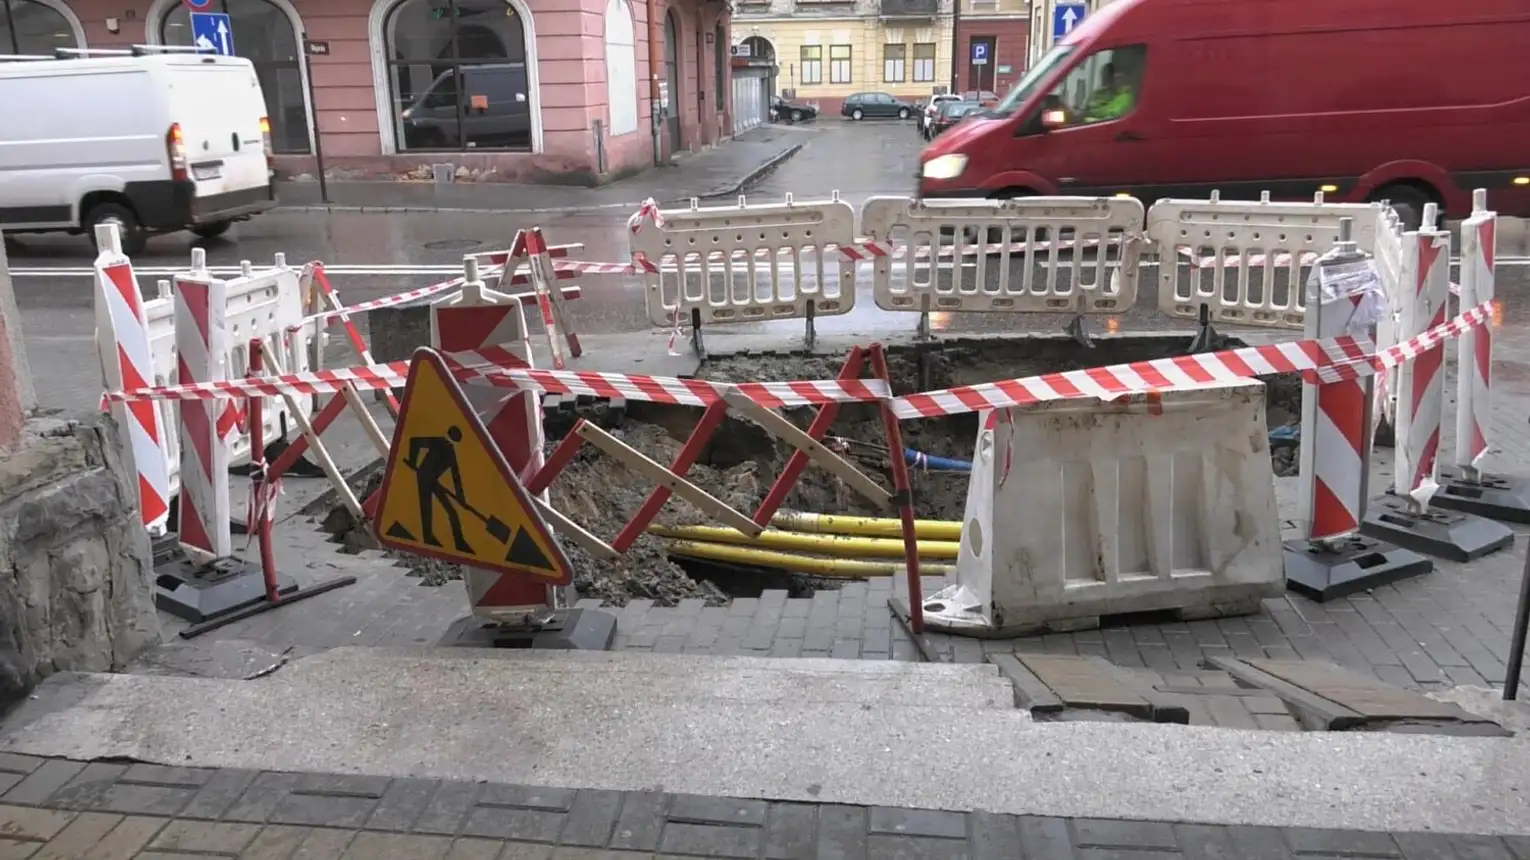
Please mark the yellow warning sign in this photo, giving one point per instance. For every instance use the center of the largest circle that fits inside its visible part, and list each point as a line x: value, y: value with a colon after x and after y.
x: 448, y: 492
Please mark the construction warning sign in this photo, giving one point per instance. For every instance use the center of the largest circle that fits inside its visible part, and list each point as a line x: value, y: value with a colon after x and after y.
x: 448, y: 492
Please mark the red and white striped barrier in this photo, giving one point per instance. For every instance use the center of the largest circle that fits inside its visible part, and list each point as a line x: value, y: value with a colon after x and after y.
x: 1474, y: 365
x: 119, y: 309
x: 1421, y: 381
x: 200, y: 332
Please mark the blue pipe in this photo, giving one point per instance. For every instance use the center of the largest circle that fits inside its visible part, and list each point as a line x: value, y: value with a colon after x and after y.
x: 921, y: 460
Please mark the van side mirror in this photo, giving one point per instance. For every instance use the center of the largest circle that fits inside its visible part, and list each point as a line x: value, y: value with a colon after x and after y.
x: 1053, y: 119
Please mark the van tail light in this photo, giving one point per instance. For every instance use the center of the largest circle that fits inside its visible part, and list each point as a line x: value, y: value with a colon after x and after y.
x: 265, y: 141
x: 175, y: 145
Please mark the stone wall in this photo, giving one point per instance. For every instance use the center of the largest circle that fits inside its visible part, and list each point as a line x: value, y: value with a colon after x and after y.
x: 76, y: 573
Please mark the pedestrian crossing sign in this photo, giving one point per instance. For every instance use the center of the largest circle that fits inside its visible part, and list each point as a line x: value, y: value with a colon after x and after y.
x: 447, y: 492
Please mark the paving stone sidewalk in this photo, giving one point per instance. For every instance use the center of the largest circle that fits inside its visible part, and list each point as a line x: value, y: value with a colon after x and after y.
x: 55, y: 809
x: 720, y: 171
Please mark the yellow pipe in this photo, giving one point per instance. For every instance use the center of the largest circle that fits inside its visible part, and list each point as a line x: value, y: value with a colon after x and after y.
x: 865, y: 526
x: 837, y: 568
x: 843, y: 546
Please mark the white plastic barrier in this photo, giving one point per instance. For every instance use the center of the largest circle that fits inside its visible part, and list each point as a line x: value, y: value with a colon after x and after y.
x: 263, y: 304
x: 1247, y: 261
x: 1030, y: 255
x: 744, y: 263
x: 1078, y: 510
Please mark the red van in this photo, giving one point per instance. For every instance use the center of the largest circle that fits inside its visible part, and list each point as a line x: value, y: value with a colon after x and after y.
x: 1414, y: 101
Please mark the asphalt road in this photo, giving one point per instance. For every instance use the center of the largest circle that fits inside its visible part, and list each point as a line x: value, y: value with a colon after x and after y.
x: 859, y: 160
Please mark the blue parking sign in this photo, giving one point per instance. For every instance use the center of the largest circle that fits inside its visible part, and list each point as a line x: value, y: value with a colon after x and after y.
x: 1066, y: 16
x: 979, y: 53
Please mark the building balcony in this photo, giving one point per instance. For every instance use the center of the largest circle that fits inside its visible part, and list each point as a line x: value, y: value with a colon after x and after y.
x: 909, y: 9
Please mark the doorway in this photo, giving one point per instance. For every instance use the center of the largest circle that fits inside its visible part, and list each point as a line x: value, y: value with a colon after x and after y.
x: 980, y: 63
x: 672, y: 75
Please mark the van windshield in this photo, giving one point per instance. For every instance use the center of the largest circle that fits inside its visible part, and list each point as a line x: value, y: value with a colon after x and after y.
x: 1027, y: 85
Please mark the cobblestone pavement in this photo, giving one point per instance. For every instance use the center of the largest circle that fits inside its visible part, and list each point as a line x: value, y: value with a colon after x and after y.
x: 55, y: 809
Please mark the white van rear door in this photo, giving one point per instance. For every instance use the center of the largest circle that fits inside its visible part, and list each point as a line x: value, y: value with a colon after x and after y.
x: 219, y: 106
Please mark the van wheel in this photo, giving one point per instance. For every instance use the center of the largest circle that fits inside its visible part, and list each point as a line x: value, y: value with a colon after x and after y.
x: 133, y: 237
x: 1408, y: 200
x: 213, y: 230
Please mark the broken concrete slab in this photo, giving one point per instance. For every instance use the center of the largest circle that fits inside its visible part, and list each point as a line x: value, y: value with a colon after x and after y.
x: 1051, y: 686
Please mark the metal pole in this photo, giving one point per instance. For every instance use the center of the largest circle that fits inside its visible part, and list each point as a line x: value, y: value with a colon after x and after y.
x: 313, y: 105
x: 655, y: 68
x: 1517, y: 642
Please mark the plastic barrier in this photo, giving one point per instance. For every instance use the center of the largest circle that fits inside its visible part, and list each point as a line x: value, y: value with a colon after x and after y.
x: 1080, y: 509
x: 1051, y: 254
x: 1246, y: 261
x: 724, y: 264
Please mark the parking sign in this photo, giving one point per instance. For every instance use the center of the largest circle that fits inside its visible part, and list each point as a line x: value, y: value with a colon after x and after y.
x: 979, y: 53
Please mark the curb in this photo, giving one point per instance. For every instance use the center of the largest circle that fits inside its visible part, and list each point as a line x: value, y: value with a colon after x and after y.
x: 719, y: 191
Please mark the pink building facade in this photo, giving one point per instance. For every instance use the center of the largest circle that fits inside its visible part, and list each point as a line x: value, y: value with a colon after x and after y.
x: 510, y: 90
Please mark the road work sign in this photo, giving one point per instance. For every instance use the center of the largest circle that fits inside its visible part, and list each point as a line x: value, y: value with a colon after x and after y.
x: 448, y: 492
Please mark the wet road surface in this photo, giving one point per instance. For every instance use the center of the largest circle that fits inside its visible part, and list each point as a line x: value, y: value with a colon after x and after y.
x: 860, y: 160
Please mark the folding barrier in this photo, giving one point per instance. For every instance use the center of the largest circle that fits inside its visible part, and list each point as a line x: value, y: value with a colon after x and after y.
x: 746, y: 263
x: 1244, y: 262
x: 1032, y: 255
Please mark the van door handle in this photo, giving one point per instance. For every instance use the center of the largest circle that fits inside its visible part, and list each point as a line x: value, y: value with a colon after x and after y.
x: 1129, y: 137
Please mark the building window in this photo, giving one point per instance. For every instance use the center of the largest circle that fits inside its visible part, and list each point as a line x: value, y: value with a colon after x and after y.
x: 812, y: 64
x: 924, y: 62
x: 839, y: 64
x: 621, y: 68
x: 720, y: 39
x: 457, y: 71
x: 36, y: 27
x: 264, y: 35
x: 893, y: 71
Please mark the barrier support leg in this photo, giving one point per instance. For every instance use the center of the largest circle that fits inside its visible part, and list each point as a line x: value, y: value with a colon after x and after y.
x: 1516, y: 659
x: 1206, y: 337
x: 697, y: 344
x: 279, y: 590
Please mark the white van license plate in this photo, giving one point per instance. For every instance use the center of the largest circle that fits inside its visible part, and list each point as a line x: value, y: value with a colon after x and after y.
x: 207, y: 172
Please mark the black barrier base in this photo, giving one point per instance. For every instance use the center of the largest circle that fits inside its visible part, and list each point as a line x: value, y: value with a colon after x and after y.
x: 1492, y: 496
x: 1351, y: 564
x: 1443, y: 534
x: 199, y: 593
x: 565, y: 630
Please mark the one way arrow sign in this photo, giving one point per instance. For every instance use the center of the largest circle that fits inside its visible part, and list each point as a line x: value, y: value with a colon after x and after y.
x: 1066, y: 16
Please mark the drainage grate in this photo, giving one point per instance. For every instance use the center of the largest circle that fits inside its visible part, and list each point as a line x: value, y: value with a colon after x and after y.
x: 453, y: 244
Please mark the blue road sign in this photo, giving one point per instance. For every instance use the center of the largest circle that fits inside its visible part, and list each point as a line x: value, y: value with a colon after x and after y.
x: 1066, y: 16
x: 212, y: 33
x: 979, y: 53
x: 199, y: 5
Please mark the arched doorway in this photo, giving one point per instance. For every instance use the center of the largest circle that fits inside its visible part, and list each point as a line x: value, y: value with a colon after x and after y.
x: 459, y: 76
x: 672, y: 75
x: 38, y: 27
x: 266, y: 34
x: 758, y: 53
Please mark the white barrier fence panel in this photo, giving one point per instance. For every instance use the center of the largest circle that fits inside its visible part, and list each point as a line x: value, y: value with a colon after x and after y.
x: 1078, y: 509
x: 263, y: 304
x: 749, y: 105
x: 1030, y: 255
x: 748, y: 263
x: 1247, y: 261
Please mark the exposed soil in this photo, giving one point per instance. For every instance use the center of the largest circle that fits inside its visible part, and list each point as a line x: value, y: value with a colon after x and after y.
x: 742, y: 460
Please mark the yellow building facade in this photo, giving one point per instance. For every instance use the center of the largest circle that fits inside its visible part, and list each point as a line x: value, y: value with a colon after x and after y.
x: 822, y: 55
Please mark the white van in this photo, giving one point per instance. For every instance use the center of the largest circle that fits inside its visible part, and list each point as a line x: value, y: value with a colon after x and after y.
x: 156, y: 142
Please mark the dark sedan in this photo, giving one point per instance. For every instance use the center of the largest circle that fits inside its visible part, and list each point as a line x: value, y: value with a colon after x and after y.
x: 784, y: 110
x: 873, y: 105
x: 952, y: 113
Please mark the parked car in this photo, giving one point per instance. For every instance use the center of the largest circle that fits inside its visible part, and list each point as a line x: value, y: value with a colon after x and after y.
x: 873, y: 105
x: 786, y: 110
x: 1176, y: 98
x: 951, y: 113
x: 929, y: 109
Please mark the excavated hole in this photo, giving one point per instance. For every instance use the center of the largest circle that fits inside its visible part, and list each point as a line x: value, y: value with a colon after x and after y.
x: 741, y: 461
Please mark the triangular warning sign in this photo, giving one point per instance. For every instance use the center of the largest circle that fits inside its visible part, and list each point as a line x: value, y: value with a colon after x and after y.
x: 448, y: 492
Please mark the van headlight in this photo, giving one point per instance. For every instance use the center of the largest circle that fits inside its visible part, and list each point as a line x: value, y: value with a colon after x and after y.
x: 947, y: 166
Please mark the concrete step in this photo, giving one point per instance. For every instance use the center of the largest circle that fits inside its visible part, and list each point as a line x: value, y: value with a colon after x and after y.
x: 625, y: 676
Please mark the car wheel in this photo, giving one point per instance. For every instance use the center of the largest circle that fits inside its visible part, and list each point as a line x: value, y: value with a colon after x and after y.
x: 798, y: 116
x: 213, y: 230
x: 902, y: 113
x: 857, y: 114
x: 133, y: 237
x: 1408, y: 200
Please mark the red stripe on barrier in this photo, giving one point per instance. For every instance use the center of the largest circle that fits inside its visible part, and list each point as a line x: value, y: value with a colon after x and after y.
x: 904, y: 496
x: 561, y: 456
x: 798, y: 461
x: 711, y: 419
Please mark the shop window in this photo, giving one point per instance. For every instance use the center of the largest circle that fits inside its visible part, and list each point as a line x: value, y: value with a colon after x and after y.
x: 458, y: 76
x: 36, y: 27
x: 265, y: 35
